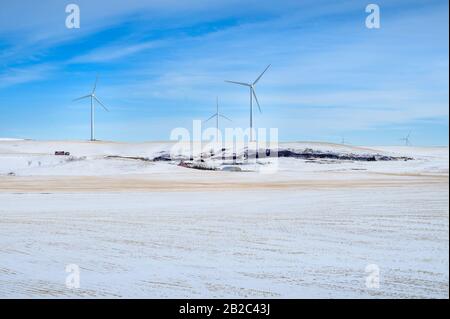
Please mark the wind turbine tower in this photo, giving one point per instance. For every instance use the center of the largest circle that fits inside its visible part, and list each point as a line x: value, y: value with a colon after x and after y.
x: 92, y: 97
x: 217, y: 115
x: 251, y: 87
x: 406, y: 139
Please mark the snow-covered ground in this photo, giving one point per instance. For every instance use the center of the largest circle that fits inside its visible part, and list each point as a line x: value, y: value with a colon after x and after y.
x: 143, y: 228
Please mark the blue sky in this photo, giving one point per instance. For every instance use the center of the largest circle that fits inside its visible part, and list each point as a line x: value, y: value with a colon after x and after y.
x: 162, y: 64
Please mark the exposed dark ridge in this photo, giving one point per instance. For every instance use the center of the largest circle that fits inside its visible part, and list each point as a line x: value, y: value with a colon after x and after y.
x: 200, y: 166
x: 306, y: 154
x: 162, y: 158
x: 145, y: 159
x: 311, y: 154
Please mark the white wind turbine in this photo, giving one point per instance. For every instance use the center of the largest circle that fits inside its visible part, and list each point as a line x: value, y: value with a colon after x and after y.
x: 406, y: 139
x: 252, y: 94
x: 217, y: 115
x: 93, y: 97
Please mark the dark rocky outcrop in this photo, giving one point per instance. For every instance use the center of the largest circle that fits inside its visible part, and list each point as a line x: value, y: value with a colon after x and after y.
x: 310, y: 154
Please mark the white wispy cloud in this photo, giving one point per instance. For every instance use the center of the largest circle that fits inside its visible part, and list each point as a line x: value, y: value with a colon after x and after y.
x: 115, y: 52
x: 15, y: 76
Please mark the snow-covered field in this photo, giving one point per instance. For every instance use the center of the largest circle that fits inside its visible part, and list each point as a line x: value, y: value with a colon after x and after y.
x: 143, y: 228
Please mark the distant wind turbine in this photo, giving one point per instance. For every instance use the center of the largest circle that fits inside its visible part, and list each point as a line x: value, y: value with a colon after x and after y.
x: 93, y: 97
x: 252, y: 94
x: 217, y: 115
x: 406, y: 139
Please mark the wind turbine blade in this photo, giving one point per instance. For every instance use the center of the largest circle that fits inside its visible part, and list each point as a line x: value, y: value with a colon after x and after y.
x: 212, y: 116
x: 257, y: 102
x: 95, y: 84
x: 226, y: 118
x: 80, y: 98
x: 240, y: 83
x: 261, y: 75
x: 101, y: 103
